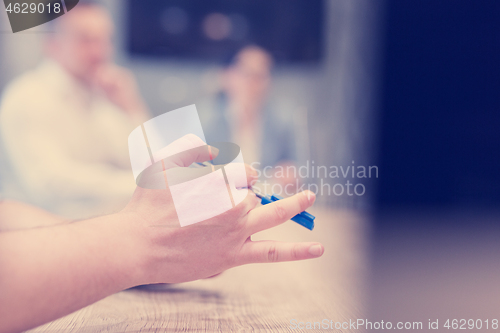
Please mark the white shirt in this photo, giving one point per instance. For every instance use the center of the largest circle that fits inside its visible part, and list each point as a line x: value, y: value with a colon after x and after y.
x: 67, y: 145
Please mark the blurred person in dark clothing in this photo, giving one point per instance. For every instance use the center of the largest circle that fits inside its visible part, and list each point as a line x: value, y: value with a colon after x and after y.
x: 242, y: 113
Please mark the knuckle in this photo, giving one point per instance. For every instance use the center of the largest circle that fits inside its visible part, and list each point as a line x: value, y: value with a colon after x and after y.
x: 295, y: 252
x: 193, y: 140
x: 279, y: 210
x: 303, y: 202
x: 272, y: 253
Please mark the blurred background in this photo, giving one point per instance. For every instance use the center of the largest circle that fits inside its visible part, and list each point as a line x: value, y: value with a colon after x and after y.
x: 409, y: 86
x: 435, y: 248
x: 323, y: 79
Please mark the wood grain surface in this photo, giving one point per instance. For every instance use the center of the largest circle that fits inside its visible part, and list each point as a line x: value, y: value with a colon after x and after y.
x: 252, y: 298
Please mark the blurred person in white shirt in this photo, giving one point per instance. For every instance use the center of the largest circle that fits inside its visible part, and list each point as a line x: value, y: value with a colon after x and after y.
x: 65, y: 124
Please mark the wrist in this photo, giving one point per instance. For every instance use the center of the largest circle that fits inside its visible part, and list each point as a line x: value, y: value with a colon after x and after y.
x: 117, y: 241
x: 132, y: 251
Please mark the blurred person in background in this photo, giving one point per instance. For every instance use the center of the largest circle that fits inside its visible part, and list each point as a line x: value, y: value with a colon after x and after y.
x: 65, y: 124
x: 242, y: 114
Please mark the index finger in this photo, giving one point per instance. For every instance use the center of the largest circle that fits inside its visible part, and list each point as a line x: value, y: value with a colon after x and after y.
x: 280, y: 211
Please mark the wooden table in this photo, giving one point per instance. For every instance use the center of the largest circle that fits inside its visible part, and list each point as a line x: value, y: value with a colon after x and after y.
x: 252, y: 298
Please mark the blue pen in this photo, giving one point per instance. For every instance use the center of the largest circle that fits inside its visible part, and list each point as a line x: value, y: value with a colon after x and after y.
x: 304, y: 219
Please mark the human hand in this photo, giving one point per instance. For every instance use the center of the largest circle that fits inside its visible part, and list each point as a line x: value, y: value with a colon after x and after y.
x: 119, y: 86
x: 171, y: 253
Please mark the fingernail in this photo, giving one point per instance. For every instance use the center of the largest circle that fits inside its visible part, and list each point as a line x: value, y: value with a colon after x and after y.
x: 215, y: 151
x: 316, y: 250
x: 310, y: 195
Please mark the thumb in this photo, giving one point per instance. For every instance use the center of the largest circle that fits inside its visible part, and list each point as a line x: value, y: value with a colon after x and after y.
x: 174, y: 159
x: 190, y: 156
x: 185, y: 151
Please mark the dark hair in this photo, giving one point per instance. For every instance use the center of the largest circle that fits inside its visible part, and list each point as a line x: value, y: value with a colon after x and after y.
x: 232, y: 57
